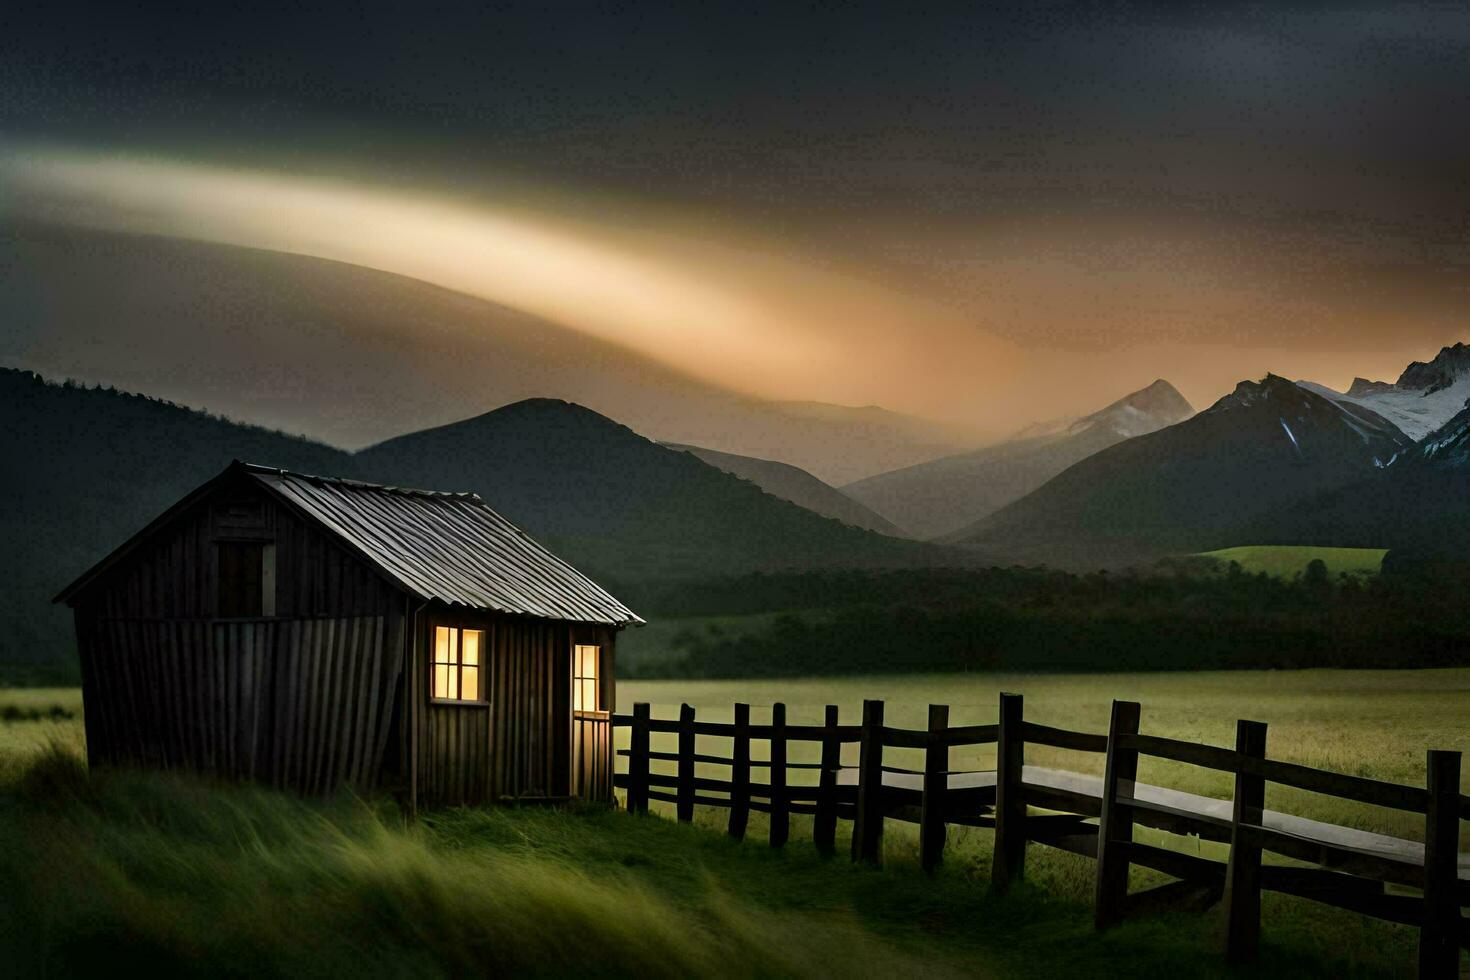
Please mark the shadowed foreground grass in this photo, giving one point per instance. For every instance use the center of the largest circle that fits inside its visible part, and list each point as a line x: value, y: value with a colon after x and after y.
x: 130, y: 871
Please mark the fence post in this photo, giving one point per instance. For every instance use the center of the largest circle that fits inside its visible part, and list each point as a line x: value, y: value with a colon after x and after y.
x: 1439, y: 936
x: 1243, y: 872
x: 1115, y: 827
x: 867, y: 829
x: 1008, y: 862
x: 685, y: 806
x: 936, y: 784
x: 638, y: 760
x: 824, y: 826
x: 780, y: 814
x: 740, y: 773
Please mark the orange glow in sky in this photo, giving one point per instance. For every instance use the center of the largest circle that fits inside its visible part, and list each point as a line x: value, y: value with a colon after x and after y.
x: 726, y: 306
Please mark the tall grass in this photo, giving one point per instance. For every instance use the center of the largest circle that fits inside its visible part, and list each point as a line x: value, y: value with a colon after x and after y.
x: 152, y: 871
x: 109, y: 871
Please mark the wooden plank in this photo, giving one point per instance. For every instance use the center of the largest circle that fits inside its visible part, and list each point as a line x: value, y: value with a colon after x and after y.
x: 867, y: 832
x: 1083, y: 844
x: 824, y: 826
x: 638, y: 761
x: 936, y: 783
x: 1439, y: 937
x: 972, y: 735
x: 740, y: 774
x: 1008, y: 861
x: 1116, y: 822
x: 1356, y: 788
x: 1365, y: 896
x: 685, y: 808
x: 1243, y: 876
x: 821, y: 733
x: 904, y: 738
x: 780, y: 815
x: 1175, y: 863
x: 1061, y: 738
x: 1186, y: 895
x: 1193, y: 753
x: 795, y: 733
x: 1369, y: 864
x: 1042, y: 825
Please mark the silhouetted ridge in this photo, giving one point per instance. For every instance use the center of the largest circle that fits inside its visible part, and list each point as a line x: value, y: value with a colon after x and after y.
x: 91, y: 466
x: 1191, y: 486
x: 940, y: 496
x: 1449, y: 365
x: 621, y: 504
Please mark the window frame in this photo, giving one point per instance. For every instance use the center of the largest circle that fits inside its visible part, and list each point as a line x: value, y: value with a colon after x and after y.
x: 457, y: 665
x: 579, y: 678
x: 268, y: 589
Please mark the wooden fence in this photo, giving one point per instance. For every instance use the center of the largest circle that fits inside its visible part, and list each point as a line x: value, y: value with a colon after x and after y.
x: 1338, y: 866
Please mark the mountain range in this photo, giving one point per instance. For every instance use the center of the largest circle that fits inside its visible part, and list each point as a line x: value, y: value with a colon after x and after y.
x: 1426, y: 396
x: 796, y: 485
x: 942, y: 496
x: 637, y: 473
x: 1418, y: 506
x: 1194, y: 485
x: 86, y: 467
x: 247, y: 332
x: 624, y: 507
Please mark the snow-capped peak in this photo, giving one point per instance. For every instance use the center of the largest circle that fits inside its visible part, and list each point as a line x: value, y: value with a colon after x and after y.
x: 1425, y: 397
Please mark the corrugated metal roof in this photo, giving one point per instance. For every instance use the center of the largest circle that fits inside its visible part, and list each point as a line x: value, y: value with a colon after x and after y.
x: 451, y: 547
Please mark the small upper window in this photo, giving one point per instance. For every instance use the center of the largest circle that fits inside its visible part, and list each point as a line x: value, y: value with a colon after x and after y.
x: 585, y: 694
x: 247, y: 579
x: 457, y: 663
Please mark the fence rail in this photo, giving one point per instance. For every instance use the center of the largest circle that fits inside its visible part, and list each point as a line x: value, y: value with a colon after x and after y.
x: 1346, y: 868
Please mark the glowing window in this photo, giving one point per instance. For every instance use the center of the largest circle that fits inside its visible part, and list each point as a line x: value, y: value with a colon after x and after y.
x: 584, y: 678
x: 457, y: 663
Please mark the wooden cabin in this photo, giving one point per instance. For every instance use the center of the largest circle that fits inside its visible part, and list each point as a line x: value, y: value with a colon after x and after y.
x: 310, y: 633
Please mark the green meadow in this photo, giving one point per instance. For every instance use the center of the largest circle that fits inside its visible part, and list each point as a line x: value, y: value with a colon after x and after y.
x: 1285, y: 561
x: 164, y: 872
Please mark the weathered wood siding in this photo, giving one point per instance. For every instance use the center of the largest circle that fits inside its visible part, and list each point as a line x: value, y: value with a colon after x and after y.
x: 304, y: 704
x: 523, y: 742
x: 175, y: 574
x: 301, y: 700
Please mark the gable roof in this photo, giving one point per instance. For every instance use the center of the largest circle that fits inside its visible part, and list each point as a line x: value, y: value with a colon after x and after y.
x: 447, y: 547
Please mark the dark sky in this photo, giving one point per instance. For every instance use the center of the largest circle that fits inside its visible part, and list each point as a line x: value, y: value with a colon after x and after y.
x: 797, y: 105
x: 1276, y: 175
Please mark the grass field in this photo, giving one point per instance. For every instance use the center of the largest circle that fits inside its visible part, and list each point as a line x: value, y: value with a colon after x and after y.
x: 128, y: 870
x: 1365, y: 723
x: 1285, y: 561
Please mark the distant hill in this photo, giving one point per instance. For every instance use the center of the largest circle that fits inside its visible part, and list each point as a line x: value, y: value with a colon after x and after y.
x: 87, y: 467
x: 1193, y: 486
x: 83, y: 470
x: 1419, y: 505
x: 943, y: 495
x: 794, y: 484
x: 351, y: 356
x: 624, y: 506
x: 1423, y: 398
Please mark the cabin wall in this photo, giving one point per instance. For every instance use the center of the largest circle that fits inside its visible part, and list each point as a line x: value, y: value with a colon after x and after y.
x: 301, y: 704
x: 522, y: 742
x: 303, y: 699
